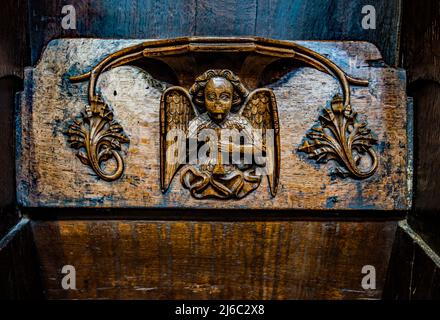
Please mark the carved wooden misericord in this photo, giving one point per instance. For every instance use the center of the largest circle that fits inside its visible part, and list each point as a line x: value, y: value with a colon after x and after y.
x: 139, y: 140
x: 340, y: 137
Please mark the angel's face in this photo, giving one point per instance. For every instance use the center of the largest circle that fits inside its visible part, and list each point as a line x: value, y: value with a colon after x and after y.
x: 218, y: 98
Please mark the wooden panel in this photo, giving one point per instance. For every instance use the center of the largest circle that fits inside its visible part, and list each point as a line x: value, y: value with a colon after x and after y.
x: 225, y: 18
x: 8, y: 215
x: 330, y: 20
x: 281, y: 19
x: 426, y: 96
x: 420, y: 40
x: 111, y: 19
x: 19, y: 273
x: 421, y: 57
x: 213, y: 260
x: 14, y: 54
x: 414, y: 271
x: 51, y: 175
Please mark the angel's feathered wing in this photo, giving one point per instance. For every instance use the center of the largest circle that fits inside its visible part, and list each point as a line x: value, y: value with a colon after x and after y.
x: 260, y: 108
x: 176, y: 111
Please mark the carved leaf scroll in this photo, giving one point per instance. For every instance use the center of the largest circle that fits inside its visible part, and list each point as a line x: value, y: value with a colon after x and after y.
x: 98, y: 138
x: 339, y: 136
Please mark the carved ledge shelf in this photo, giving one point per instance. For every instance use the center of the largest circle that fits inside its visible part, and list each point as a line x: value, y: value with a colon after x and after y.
x: 93, y: 120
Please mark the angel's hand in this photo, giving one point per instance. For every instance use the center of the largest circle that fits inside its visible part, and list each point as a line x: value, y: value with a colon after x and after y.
x: 228, y: 147
x: 231, y: 147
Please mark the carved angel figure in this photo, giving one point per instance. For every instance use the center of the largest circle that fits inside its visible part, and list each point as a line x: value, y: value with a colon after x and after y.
x: 217, y: 118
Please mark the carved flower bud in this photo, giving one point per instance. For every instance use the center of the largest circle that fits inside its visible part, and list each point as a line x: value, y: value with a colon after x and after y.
x: 337, y: 104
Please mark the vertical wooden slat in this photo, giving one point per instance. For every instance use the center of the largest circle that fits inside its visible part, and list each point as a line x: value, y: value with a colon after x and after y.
x: 421, y: 57
x: 414, y: 270
x: 19, y: 269
x: 8, y: 214
x: 14, y: 55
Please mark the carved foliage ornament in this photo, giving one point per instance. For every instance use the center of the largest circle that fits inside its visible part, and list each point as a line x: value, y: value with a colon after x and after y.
x: 341, y: 137
x: 218, y: 101
x: 98, y: 138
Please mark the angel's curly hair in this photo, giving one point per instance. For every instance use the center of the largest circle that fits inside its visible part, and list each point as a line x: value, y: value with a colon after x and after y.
x: 198, y: 88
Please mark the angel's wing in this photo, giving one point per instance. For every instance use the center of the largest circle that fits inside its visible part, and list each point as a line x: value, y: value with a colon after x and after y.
x: 260, y: 108
x: 176, y: 110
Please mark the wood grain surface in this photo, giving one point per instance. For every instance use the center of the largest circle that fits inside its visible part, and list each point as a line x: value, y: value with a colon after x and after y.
x: 8, y: 213
x: 421, y: 57
x: 320, y: 259
x: 19, y: 265
x: 279, y: 19
x: 213, y: 260
x: 414, y: 270
x: 49, y: 174
x: 15, y: 50
x: 14, y: 55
